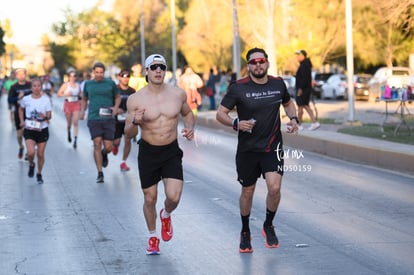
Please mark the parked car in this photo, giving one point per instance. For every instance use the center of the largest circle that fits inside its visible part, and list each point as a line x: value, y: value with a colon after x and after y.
x: 361, y: 87
x: 320, y: 79
x: 396, y: 77
x: 290, y: 82
x: 335, y: 86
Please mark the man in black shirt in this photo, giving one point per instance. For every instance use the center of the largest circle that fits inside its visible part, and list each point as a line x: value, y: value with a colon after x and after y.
x: 16, y: 93
x: 304, y: 89
x: 257, y: 99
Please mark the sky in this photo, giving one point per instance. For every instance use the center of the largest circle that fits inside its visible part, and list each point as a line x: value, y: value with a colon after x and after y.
x: 30, y: 19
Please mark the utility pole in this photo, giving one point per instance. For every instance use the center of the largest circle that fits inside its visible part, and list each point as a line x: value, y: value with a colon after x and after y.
x: 174, y: 43
x: 142, y: 34
x: 350, y: 59
x: 236, y: 41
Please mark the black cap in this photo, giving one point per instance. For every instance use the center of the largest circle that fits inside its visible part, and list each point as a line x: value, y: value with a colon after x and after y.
x: 302, y: 52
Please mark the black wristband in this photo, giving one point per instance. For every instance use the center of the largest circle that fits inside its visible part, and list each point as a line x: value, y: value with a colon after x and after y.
x: 295, y: 118
x: 135, y: 123
x: 236, y: 124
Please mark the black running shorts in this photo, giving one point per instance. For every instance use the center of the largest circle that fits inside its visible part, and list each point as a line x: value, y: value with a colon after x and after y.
x: 37, y: 136
x: 104, y: 128
x: 159, y: 162
x: 250, y: 165
x: 119, y: 129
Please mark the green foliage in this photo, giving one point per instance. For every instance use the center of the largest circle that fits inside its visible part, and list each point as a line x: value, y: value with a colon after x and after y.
x: 62, y: 57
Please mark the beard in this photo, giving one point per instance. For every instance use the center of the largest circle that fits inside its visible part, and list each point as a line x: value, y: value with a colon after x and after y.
x: 258, y: 73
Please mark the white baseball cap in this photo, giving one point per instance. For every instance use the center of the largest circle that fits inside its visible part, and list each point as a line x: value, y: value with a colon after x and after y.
x: 153, y: 58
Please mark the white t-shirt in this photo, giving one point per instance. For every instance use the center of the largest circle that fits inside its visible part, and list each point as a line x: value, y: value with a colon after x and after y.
x: 34, y: 106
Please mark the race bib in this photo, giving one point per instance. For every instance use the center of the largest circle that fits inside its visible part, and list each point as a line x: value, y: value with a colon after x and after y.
x: 121, y: 117
x: 72, y: 98
x: 33, y: 125
x: 105, y: 112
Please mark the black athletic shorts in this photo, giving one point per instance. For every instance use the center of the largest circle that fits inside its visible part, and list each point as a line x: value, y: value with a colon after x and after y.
x: 250, y: 165
x: 37, y: 136
x: 17, y: 118
x: 119, y: 129
x: 159, y: 162
x: 104, y: 128
x: 304, y: 99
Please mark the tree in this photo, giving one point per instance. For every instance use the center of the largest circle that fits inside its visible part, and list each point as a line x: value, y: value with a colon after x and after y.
x: 391, y: 25
x: 206, y: 39
x: 62, y: 57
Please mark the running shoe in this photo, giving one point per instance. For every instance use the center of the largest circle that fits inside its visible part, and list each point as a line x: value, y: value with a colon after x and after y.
x: 166, y: 227
x: 75, y: 144
x: 269, y: 234
x: 69, y: 137
x: 114, y: 150
x: 104, y: 158
x: 153, y: 246
x: 39, y: 178
x: 31, y: 170
x: 124, y: 167
x: 314, y: 126
x: 100, y: 177
x: 20, y: 154
x: 245, y: 243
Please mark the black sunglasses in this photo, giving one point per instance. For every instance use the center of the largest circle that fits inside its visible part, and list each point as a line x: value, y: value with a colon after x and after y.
x: 153, y: 67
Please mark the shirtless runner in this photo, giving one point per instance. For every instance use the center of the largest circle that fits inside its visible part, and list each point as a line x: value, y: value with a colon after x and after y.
x: 156, y: 109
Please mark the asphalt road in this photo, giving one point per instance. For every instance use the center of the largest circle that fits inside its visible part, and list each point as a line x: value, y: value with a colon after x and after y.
x: 335, y: 217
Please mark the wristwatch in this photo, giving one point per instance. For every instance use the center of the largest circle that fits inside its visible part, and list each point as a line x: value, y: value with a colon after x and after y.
x: 295, y: 118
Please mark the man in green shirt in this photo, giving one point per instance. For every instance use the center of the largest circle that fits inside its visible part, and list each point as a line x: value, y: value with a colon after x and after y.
x: 104, y: 99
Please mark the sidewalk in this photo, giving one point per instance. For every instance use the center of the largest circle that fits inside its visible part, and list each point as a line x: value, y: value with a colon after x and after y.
x: 327, y: 141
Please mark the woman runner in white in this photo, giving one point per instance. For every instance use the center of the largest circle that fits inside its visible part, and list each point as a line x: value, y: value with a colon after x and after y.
x: 35, y: 111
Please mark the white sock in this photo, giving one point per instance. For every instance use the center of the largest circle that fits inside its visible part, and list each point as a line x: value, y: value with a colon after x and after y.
x: 152, y: 234
x: 165, y: 214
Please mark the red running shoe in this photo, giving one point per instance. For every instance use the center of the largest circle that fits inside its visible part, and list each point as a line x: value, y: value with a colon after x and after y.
x: 20, y: 154
x: 153, y: 246
x: 124, y: 167
x: 114, y: 150
x: 166, y: 228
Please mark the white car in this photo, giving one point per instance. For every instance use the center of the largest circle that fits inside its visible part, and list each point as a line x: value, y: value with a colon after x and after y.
x: 335, y: 87
x: 397, y: 77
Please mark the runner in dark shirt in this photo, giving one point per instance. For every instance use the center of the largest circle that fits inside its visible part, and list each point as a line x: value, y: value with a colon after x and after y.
x: 16, y: 93
x: 125, y: 91
x: 257, y: 99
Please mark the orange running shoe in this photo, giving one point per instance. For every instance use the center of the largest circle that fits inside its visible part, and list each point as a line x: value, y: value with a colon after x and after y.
x: 245, y: 243
x: 269, y: 234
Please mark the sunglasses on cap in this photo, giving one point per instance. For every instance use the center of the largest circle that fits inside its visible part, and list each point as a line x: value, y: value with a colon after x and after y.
x: 255, y: 61
x: 153, y: 67
x: 125, y: 75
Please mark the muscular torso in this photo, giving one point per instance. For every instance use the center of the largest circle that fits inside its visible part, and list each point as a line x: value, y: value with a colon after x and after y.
x: 162, y: 108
